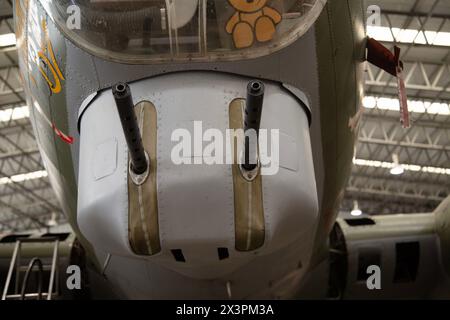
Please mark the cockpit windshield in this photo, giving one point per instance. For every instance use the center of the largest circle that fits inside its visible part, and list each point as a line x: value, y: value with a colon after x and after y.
x: 148, y: 31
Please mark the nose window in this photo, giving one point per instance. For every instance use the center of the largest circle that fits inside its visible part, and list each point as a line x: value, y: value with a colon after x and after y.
x: 155, y: 30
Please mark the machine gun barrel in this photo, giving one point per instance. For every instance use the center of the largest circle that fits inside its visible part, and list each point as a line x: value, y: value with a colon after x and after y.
x: 252, y: 121
x: 125, y: 107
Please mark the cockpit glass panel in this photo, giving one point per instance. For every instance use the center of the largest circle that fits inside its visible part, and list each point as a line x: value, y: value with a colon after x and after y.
x: 161, y: 30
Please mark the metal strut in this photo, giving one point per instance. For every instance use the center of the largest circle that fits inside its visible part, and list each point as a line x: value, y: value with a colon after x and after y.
x: 16, y: 268
x: 33, y: 262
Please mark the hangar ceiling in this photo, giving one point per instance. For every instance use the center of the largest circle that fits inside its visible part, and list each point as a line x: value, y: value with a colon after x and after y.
x: 420, y: 27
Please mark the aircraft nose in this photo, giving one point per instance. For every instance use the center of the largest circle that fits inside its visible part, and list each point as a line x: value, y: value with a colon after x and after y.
x: 196, y: 213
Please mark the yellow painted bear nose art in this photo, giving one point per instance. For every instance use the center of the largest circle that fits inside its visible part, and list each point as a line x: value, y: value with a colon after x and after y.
x: 252, y: 20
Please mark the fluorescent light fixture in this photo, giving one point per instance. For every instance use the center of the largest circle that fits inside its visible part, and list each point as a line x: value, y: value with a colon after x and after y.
x: 52, y: 222
x: 415, y: 106
x: 406, y: 167
x: 409, y: 36
x: 16, y: 113
x: 397, y: 169
x: 7, y: 40
x: 24, y: 177
x: 356, y: 212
